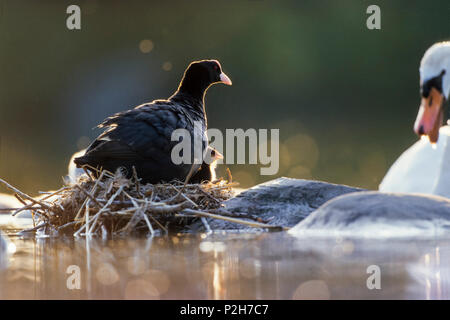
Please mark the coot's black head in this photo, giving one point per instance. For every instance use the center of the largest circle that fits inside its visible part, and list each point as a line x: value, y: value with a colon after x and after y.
x: 200, y: 75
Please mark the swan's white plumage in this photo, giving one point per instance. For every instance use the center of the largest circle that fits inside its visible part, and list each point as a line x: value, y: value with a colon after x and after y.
x: 423, y: 168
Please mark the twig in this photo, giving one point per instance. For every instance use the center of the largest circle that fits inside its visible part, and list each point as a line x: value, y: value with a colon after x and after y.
x: 39, y: 226
x: 191, y: 172
x: 206, y: 224
x: 97, y: 215
x: 170, y: 208
x: 223, y: 212
x: 149, y: 225
x: 234, y: 220
x: 159, y: 224
x: 9, y: 209
x: 91, y: 197
x: 68, y: 224
x: 23, y: 195
x: 86, y: 218
x: 93, y: 190
x: 230, y: 177
x: 137, y: 181
x: 20, y: 199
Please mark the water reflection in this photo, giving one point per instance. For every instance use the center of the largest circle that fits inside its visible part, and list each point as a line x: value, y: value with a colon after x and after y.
x: 218, y: 266
x: 432, y: 272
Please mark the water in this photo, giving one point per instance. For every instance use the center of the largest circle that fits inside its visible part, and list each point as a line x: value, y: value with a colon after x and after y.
x: 223, y: 266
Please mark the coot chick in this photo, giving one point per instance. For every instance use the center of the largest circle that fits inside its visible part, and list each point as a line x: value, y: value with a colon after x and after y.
x: 207, y: 171
x: 141, y: 137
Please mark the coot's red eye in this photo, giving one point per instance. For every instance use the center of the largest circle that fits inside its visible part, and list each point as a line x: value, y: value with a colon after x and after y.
x: 216, y: 67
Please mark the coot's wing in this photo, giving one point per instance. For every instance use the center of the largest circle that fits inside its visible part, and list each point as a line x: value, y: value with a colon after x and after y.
x: 116, y: 149
x: 143, y: 132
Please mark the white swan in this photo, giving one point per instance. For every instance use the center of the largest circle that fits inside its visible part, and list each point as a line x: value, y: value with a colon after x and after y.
x: 425, y: 166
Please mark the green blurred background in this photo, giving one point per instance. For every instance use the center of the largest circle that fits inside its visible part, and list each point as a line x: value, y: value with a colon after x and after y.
x: 344, y: 97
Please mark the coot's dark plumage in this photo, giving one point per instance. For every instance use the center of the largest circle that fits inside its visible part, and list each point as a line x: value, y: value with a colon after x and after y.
x: 207, y: 171
x: 141, y: 137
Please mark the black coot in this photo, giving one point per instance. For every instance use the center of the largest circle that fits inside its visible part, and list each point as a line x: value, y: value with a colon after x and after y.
x: 141, y: 137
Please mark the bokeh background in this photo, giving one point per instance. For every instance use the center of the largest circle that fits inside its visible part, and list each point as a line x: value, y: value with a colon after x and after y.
x: 344, y: 97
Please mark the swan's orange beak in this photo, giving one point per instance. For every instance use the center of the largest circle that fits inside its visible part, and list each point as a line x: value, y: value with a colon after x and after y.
x: 430, y: 116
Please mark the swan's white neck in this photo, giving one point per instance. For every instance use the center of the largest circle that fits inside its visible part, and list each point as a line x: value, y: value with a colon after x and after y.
x: 441, y: 186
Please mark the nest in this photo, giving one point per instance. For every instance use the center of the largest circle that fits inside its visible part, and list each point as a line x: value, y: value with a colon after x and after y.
x: 114, y: 205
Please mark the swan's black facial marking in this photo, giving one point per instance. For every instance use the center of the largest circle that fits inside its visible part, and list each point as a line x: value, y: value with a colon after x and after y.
x: 435, y: 82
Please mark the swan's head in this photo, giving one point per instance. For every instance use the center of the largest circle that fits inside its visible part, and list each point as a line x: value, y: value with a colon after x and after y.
x: 435, y: 89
